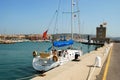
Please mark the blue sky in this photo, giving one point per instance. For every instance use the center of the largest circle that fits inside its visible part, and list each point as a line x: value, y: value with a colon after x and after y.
x: 34, y: 16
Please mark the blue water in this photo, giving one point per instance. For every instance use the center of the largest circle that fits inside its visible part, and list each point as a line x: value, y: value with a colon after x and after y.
x: 16, y: 59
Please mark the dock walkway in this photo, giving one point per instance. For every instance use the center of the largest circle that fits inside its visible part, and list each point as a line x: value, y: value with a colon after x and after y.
x: 114, y: 67
x: 82, y: 70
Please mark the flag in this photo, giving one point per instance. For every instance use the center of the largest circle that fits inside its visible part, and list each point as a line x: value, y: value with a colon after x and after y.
x: 45, y: 35
x: 104, y: 23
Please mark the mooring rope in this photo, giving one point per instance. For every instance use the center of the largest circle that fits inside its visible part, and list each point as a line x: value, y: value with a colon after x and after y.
x: 94, y: 67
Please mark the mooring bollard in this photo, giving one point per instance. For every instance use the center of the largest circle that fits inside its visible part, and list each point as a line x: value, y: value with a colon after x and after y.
x: 97, y: 61
x: 107, y: 50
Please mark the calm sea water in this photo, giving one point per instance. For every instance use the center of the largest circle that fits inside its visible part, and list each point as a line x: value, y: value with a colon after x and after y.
x: 16, y: 59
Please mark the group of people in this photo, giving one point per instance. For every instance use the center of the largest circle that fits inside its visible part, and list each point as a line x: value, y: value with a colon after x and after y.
x: 56, y: 54
x: 59, y: 53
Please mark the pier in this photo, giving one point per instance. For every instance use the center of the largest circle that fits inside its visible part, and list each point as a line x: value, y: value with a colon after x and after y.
x: 85, y: 69
x: 114, y: 63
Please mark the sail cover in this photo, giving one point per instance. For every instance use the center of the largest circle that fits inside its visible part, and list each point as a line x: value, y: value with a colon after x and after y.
x: 62, y: 43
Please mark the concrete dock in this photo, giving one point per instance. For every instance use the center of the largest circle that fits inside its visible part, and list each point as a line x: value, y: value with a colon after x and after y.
x: 114, y: 66
x: 78, y: 70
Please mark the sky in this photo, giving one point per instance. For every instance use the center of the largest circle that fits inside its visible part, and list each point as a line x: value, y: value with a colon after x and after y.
x: 36, y: 16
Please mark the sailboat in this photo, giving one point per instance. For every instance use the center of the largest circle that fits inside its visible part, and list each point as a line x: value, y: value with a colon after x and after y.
x: 46, y: 61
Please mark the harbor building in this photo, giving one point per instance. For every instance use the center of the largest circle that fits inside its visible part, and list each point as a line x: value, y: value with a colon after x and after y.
x: 100, y: 35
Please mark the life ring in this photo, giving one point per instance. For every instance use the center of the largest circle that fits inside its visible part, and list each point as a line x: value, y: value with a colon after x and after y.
x: 34, y: 53
x: 55, y: 58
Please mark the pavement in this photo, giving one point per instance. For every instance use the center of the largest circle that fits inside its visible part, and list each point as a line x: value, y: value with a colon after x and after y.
x: 114, y: 66
x: 84, y: 69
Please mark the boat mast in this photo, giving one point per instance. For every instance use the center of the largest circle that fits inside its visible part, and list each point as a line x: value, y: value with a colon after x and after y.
x: 78, y: 17
x: 72, y: 5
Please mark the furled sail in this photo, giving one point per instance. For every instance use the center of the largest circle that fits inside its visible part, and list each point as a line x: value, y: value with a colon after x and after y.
x: 62, y: 43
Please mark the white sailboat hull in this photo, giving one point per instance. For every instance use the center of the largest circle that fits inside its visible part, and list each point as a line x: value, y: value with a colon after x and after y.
x: 45, y: 64
x: 42, y: 65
